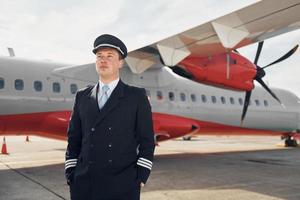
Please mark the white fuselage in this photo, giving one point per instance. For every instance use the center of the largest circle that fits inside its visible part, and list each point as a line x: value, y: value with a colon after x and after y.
x: 168, y: 94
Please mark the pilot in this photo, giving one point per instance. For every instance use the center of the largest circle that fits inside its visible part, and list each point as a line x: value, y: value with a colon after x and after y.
x: 110, y: 133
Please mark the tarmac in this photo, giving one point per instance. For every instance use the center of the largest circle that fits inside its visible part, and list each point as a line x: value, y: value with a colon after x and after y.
x: 207, y: 167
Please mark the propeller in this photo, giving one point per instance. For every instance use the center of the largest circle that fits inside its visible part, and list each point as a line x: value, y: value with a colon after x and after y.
x: 260, y: 73
x: 285, y: 56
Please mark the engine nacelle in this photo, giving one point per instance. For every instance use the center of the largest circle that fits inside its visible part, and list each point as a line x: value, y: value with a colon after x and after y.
x: 213, y: 71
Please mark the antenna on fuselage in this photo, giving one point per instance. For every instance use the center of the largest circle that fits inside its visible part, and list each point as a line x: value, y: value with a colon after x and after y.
x: 11, y: 52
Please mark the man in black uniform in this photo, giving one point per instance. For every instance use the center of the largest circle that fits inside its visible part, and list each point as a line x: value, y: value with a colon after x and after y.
x: 110, y: 134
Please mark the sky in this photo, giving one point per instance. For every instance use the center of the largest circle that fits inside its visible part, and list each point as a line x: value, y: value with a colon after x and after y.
x: 64, y: 30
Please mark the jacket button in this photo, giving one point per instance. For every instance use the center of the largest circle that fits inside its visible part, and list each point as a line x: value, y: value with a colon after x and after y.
x: 109, y: 145
x: 92, y: 129
x: 109, y: 128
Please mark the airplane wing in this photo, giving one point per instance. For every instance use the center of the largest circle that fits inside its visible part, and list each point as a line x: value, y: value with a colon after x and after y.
x: 251, y: 24
x: 86, y: 72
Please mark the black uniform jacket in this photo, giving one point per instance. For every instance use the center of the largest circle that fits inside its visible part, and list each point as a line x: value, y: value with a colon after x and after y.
x: 110, y: 151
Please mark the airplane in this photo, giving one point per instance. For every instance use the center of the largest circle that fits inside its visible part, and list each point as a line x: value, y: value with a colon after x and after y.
x: 195, y: 82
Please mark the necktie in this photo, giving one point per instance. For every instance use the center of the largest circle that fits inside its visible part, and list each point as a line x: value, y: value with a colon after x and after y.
x: 104, y: 96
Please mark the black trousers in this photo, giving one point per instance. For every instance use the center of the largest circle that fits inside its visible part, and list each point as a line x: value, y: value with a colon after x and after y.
x: 131, y: 195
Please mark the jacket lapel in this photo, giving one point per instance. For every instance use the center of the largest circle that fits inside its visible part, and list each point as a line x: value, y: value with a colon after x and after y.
x: 111, y: 103
x: 93, y: 100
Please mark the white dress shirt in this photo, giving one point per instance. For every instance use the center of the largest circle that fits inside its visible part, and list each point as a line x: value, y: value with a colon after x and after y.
x: 112, y: 85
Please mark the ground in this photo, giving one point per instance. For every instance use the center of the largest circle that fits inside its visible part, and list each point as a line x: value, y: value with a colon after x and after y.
x: 207, y: 167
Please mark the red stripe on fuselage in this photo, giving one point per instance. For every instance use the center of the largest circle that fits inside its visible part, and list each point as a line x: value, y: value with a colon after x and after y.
x: 47, y: 124
x: 54, y: 125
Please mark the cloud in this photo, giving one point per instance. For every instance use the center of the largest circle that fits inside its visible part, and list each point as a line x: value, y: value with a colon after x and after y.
x: 64, y: 30
x: 41, y: 29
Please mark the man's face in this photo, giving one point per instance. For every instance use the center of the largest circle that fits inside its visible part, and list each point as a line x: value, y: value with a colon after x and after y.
x: 108, y: 63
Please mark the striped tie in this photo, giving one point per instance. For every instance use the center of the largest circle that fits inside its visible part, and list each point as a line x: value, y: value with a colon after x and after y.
x: 104, y: 96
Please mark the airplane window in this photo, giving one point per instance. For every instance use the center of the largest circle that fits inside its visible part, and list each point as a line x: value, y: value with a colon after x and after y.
x: 266, y: 103
x: 257, y: 102
x: 203, y: 98
x: 193, y: 97
x: 171, y: 96
x: 241, y: 101
x: 231, y: 100
x: 159, y: 95
x: 1, y: 83
x: 19, y: 84
x: 213, y: 99
x: 223, y: 100
x: 56, y: 87
x: 38, y: 86
x: 73, y: 88
x: 182, y: 96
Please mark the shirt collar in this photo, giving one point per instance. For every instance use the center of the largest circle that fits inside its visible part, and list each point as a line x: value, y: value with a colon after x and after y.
x: 111, y: 85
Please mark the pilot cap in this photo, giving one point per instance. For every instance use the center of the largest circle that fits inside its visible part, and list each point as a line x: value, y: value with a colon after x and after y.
x: 111, y: 41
